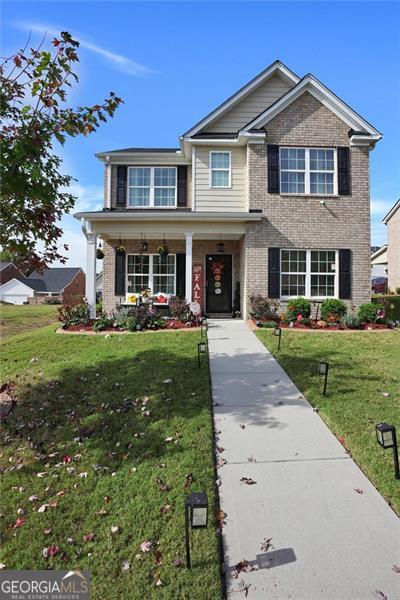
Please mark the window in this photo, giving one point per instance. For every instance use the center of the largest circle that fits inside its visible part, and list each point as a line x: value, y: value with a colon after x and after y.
x: 309, y: 273
x: 220, y: 169
x: 151, y: 186
x: 151, y: 271
x: 293, y: 269
x: 308, y: 171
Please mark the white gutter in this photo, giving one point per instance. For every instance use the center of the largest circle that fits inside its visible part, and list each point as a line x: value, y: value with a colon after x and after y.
x: 163, y: 216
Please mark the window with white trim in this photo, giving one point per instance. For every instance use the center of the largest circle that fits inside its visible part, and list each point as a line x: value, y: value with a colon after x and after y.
x: 220, y: 169
x: 151, y: 271
x: 309, y: 273
x: 152, y: 187
x: 308, y: 171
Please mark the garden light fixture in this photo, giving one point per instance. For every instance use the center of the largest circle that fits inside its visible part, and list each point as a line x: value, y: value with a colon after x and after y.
x: 323, y: 368
x: 278, y: 333
x: 196, y: 515
x: 201, y: 349
x: 386, y: 437
x: 203, y: 325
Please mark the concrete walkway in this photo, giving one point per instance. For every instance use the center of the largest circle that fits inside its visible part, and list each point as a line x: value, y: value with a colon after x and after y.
x: 328, y: 541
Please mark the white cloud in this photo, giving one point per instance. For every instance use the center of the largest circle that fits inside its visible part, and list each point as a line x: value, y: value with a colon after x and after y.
x: 123, y: 63
x: 380, y: 207
x: 90, y: 197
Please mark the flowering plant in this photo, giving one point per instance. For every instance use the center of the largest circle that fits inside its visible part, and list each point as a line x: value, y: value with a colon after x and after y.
x: 146, y: 292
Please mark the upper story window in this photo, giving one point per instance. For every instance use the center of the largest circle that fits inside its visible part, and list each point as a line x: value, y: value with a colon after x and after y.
x: 220, y: 169
x: 152, y: 186
x: 308, y: 171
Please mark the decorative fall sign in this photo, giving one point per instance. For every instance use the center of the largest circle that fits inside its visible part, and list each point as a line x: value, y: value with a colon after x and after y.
x: 197, y: 285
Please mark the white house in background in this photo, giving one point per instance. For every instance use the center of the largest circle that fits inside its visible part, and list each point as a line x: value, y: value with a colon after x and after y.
x: 379, y: 262
x: 17, y: 291
x: 392, y: 221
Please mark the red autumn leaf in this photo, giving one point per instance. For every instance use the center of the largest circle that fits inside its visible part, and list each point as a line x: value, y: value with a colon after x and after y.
x: 67, y: 459
x: 220, y: 516
x: 341, y: 440
x: 52, y: 550
x: 19, y: 522
x: 158, y: 557
x: 88, y: 537
x: 243, y: 567
x: 265, y: 544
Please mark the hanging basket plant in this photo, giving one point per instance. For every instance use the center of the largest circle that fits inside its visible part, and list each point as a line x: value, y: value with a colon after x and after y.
x: 99, y: 254
x: 120, y: 250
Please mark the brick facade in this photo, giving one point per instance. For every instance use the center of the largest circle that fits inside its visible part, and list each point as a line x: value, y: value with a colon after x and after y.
x: 296, y: 221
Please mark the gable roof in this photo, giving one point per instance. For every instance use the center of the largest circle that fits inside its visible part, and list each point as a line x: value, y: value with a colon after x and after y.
x: 391, y: 212
x: 276, y: 67
x: 311, y: 84
x: 5, y: 263
x: 54, y: 279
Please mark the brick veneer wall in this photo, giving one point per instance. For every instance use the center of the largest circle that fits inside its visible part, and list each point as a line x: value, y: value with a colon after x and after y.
x: 393, y: 251
x: 291, y: 221
x: 75, y: 290
x: 200, y: 249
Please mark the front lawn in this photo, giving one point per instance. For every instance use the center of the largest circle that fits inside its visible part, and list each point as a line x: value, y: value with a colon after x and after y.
x: 363, y: 389
x: 17, y: 319
x: 109, y: 432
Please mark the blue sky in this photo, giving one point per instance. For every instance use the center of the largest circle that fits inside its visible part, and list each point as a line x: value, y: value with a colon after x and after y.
x: 173, y: 62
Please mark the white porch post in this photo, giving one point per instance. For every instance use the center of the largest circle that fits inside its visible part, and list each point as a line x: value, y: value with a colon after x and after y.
x: 189, y: 264
x: 91, y: 273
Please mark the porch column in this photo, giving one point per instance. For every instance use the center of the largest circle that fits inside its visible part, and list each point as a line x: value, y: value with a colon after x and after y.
x: 189, y: 264
x: 91, y: 273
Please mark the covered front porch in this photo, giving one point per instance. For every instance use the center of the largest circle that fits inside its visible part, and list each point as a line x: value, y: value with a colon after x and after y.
x: 204, y: 261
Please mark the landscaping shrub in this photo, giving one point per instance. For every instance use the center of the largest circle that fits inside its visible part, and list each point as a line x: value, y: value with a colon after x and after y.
x: 74, y: 315
x: 179, y: 309
x: 351, y: 321
x: 368, y: 312
x: 333, y: 310
x: 262, y: 307
x: 102, y: 323
x: 267, y: 324
x: 296, y: 307
x: 391, y: 304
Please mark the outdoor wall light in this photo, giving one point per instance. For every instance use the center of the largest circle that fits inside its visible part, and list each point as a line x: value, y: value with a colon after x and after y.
x: 145, y: 246
x: 220, y: 246
x: 196, y: 514
x: 323, y: 368
x: 201, y: 349
x: 386, y: 437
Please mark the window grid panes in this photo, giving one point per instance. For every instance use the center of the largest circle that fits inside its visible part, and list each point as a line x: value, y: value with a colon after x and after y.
x: 220, y: 165
x: 151, y: 271
x: 152, y: 186
x: 307, y: 171
x: 310, y: 273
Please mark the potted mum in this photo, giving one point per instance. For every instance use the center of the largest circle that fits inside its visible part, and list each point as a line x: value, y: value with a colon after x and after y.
x: 120, y: 249
x: 163, y: 250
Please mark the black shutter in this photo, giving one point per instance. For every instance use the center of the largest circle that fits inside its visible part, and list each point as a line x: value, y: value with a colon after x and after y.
x: 121, y: 186
x: 274, y: 272
x: 273, y: 169
x: 180, y: 275
x: 120, y: 274
x: 343, y: 159
x: 345, y: 274
x: 182, y: 185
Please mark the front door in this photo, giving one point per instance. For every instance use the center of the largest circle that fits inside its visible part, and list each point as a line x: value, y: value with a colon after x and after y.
x: 219, y: 283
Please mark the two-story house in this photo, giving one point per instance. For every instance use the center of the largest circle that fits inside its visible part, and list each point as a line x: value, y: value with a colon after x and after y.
x: 271, y: 189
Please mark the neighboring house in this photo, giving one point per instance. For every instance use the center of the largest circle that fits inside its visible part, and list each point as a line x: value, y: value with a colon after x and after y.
x: 66, y: 284
x: 379, y: 262
x: 8, y: 271
x: 392, y: 220
x: 271, y: 189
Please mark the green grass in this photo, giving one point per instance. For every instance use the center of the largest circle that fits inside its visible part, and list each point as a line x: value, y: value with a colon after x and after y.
x: 72, y: 387
x: 19, y: 319
x: 363, y: 366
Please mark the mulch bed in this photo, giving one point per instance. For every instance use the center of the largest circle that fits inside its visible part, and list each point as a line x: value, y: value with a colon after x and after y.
x: 88, y: 329
x: 314, y: 327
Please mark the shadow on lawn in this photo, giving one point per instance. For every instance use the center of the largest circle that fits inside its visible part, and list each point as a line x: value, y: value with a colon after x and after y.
x: 94, y: 407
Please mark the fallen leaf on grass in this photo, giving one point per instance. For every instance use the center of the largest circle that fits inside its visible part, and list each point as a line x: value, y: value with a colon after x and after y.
x: 50, y: 551
x: 146, y: 546
x: 188, y: 481
x: 358, y: 490
x: 158, y: 557
x: 42, y: 508
x: 248, y: 480
x: 19, y: 522
x: 125, y: 565
x: 220, y: 517
x: 169, y: 439
x: 167, y: 381
x: 385, y: 394
x: 163, y: 487
x: 165, y: 509
x: 115, y: 529
x: 265, y: 544
x: 88, y: 537
x: 47, y: 531
x: 2, y: 566
x: 159, y: 583
x: 341, y: 440
x: 178, y: 562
